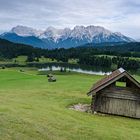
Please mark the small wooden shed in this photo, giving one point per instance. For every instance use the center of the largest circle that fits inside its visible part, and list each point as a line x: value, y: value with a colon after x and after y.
x: 52, y: 79
x: 117, y: 93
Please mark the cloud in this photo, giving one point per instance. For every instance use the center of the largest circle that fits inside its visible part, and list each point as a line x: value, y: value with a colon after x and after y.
x: 116, y: 15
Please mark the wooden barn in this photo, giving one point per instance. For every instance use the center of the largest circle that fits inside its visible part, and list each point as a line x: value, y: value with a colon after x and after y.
x: 117, y: 93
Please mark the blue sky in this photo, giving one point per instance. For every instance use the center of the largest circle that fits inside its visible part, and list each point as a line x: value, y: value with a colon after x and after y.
x: 116, y: 15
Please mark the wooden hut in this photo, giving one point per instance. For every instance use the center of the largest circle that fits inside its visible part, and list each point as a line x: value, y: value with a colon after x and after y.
x: 49, y: 75
x: 117, y: 93
x: 52, y: 79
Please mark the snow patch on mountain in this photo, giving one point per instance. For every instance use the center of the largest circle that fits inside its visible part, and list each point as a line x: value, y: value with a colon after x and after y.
x: 55, y: 34
x: 88, y: 33
x: 25, y: 31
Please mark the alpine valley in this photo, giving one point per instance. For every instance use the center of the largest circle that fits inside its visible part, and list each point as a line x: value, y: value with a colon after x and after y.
x: 63, y: 38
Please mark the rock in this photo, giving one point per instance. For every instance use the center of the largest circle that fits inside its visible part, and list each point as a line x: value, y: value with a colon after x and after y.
x: 81, y: 107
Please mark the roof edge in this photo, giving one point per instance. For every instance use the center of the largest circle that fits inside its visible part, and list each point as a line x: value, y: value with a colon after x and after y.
x: 89, y: 93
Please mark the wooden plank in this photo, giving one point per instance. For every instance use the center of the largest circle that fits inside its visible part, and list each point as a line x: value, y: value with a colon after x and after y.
x: 118, y: 106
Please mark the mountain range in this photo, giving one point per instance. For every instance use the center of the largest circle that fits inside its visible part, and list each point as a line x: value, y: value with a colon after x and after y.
x: 63, y: 38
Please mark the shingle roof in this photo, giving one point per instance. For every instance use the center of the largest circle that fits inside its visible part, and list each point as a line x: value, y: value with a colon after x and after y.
x: 103, y: 81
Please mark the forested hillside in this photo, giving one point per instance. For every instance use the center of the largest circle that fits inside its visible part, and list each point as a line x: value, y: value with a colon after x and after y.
x: 11, y: 50
x: 119, y: 55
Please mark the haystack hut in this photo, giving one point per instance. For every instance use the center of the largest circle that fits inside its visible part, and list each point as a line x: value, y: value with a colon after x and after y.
x: 52, y: 79
x: 118, y: 94
x: 49, y: 75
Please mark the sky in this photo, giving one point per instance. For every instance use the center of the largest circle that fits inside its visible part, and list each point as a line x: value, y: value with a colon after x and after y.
x: 116, y: 15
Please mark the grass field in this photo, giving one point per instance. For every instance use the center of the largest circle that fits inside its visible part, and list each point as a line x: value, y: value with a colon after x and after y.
x: 33, y: 109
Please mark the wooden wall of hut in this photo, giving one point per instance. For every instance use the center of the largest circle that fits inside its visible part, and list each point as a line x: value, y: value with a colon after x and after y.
x: 117, y: 100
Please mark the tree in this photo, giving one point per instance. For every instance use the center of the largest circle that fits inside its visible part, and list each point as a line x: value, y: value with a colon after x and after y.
x: 30, y: 58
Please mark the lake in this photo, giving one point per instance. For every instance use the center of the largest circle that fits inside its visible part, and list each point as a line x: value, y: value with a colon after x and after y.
x: 76, y: 68
x: 79, y: 68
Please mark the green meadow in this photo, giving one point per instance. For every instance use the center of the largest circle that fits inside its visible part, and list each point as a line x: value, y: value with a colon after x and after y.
x: 31, y: 108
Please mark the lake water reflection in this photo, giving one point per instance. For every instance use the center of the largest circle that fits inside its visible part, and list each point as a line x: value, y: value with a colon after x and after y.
x: 78, y: 68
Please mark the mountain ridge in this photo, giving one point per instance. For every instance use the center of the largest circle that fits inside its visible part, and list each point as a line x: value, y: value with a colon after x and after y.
x: 64, y: 38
